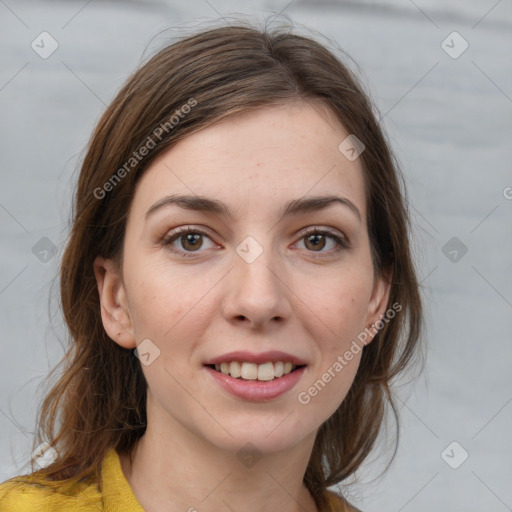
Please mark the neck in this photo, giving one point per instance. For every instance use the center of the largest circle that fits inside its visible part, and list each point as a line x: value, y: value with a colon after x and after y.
x: 183, y: 472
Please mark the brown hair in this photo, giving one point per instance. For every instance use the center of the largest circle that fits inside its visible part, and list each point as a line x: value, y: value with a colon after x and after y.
x: 99, y: 401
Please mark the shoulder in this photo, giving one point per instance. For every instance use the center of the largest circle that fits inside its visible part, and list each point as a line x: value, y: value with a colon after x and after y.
x: 21, y: 494
x: 339, y: 504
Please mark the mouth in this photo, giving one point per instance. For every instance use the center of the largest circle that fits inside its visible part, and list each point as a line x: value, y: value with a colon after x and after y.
x: 265, y: 372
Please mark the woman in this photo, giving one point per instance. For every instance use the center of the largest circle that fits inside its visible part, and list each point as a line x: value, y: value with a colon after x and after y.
x: 237, y: 284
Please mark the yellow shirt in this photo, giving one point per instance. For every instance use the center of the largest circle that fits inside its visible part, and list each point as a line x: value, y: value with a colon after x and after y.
x: 113, y: 495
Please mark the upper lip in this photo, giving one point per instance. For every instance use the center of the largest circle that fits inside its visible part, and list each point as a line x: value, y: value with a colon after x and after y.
x: 260, y: 358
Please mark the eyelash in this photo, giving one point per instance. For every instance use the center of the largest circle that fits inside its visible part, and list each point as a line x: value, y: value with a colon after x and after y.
x: 342, y: 242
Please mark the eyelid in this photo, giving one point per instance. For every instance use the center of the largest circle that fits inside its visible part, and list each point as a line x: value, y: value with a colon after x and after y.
x: 325, y: 230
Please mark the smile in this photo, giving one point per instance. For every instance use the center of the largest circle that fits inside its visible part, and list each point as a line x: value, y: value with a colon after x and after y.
x: 244, y: 370
x: 255, y: 390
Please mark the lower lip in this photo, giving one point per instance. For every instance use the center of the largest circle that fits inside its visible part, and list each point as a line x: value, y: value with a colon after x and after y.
x: 255, y: 390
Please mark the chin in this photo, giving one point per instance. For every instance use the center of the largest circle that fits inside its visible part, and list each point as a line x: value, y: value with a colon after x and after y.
x: 266, y: 435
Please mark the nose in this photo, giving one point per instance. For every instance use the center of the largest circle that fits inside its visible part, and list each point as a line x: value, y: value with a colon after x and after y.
x: 257, y: 292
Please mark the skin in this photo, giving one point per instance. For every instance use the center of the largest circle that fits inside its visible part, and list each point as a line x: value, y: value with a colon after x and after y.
x: 214, y: 302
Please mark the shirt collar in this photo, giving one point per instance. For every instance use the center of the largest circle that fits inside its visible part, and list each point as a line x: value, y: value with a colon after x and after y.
x: 117, y: 494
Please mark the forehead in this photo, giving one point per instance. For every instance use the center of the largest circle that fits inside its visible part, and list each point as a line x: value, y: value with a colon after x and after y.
x: 267, y: 156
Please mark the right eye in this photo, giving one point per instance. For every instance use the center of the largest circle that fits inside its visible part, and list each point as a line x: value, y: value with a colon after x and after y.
x: 190, y: 239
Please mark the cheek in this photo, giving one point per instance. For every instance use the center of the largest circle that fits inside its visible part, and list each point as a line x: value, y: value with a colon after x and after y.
x: 339, y: 306
x: 158, y: 300
x: 172, y: 308
x: 340, y: 302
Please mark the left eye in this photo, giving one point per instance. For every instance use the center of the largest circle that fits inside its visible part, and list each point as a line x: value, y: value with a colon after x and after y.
x: 316, y: 240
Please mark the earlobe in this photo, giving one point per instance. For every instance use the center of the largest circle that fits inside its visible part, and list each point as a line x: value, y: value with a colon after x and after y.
x: 115, y: 313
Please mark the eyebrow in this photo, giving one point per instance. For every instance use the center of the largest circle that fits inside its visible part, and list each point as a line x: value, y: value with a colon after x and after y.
x: 293, y: 207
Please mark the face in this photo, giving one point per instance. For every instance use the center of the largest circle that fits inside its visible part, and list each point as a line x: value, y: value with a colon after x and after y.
x: 255, y: 273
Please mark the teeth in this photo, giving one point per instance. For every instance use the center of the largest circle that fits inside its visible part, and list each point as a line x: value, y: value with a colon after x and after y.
x: 266, y: 371
x: 251, y: 371
x: 279, y: 369
x: 235, y: 369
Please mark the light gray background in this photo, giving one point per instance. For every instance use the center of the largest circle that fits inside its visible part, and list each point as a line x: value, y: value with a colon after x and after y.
x: 449, y: 120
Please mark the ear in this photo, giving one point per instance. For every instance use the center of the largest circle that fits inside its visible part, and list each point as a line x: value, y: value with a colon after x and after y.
x: 378, y: 301
x: 115, y: 313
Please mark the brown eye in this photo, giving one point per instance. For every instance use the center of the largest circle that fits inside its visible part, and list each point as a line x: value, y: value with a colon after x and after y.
x: 191, y: 241
x: 187, y: 241
x: 324, y: 242
x: 315, y: 242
